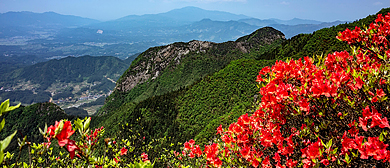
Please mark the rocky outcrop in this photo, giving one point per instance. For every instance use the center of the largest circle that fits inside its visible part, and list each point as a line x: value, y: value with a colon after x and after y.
x: 152, y: 63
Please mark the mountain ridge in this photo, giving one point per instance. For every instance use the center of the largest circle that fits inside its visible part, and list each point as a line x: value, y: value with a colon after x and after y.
x: 181, y: 14
x: 31, y: 19
x: 179, y: 58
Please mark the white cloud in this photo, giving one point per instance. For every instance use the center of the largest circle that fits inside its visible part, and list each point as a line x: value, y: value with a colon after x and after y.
x: 378, y: 3
x: 285, y: 3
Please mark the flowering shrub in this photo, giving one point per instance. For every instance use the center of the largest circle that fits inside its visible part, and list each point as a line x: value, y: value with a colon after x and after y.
x: 331, y: 111
x: 79, y: 152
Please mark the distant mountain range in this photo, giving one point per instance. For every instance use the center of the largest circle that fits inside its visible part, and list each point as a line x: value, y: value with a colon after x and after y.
x: 46, y: 19
x: 27, y: 38
x: 176, y: 17
x: 29, y: 23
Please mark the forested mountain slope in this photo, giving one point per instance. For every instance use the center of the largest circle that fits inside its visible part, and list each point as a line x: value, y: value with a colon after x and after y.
x: 62, y: 78
x: 166, y: 68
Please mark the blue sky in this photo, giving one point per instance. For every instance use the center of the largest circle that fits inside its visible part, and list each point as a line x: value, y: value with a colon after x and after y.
x: 322, y: 10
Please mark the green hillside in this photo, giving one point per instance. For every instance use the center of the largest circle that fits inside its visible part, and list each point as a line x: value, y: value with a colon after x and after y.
x: 69, y: 69
x: 193, y: 111
x: 167, y: 68
x: 60, y: 79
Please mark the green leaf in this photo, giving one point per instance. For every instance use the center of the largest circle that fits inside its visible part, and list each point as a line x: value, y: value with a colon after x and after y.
x: 335, y: 150
x: 1, y: 156
x: 354, y: 155
x: 25, y: 165
x: 86, y: 123
x: 4, y: 106
x: 381, y: 137
x: 322, y: 142
x: 329, y: 144
x: 347, y: 158
x: 59, y: 128
x: 24, y: 139
x: 2, y: 124
x: 45, y: 128
x: 6, y: 141
x: 79, y: 125
x: 380, y: 56
x: 13, y: 107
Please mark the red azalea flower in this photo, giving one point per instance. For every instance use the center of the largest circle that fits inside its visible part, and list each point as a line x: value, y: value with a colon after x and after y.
x: 380, y: 93
x: 197, y: 150
x: 291, y: 163
x: 217, y: 162
x: 245, y: 152
x: 123, y: 151
x: 187, y: 146
x: 374, y: 99
x: 255, y: 163
x: 65, y: 133
x: 219, y: 129
x: 192, y: 142
x: 144, y: 157
x: 72, y: 148
x: 191, y: 155
x: 266, y: 162
x: 117, y: 160
x: 325, y: 162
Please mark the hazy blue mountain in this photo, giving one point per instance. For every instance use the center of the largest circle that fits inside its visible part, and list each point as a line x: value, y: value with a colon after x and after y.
x: 35, y: 24
x: 291, y: 27
x: 296, y: 21
x: 293, y: 30
x: 187, y: 15
x: 258, y: 22
x: 196, y: 14
x: 42, y: 20
x: 268, y: 22
x: 215, y: 31
x: 176, y: 17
